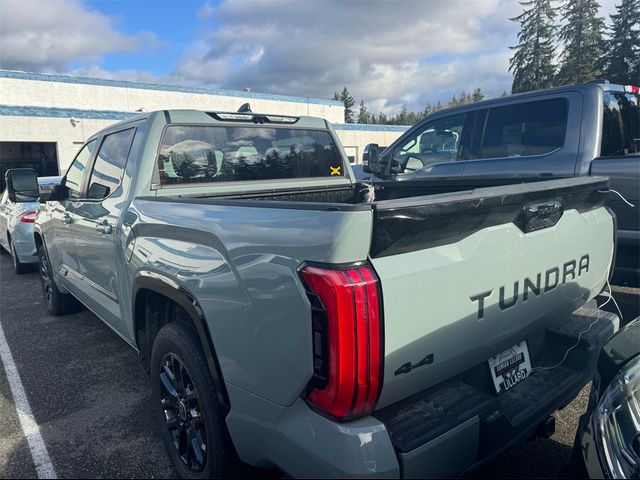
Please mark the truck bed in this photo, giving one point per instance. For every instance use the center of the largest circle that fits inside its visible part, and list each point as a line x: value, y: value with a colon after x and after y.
x: 436, y: 256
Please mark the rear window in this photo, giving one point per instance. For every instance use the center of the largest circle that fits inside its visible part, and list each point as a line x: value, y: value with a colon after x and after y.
x: 534, y: 128
x: 620, y: 125
x: 207, y: 153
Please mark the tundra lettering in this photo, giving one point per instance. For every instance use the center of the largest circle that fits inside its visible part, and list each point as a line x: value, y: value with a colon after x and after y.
x: 551, y: 279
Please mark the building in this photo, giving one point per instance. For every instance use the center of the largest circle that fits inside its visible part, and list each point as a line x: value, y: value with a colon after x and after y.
x: 44, y: 119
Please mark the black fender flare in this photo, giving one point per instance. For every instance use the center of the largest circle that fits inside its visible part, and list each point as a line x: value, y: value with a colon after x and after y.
x: 168, y: 287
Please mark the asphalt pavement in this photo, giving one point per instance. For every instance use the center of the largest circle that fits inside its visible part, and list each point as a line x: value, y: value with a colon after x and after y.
x: 90, y: 398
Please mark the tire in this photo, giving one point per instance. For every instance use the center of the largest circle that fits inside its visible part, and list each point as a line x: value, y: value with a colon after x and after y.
x: 18, y: 266
x: 185, y: 406
x: 58, y: 303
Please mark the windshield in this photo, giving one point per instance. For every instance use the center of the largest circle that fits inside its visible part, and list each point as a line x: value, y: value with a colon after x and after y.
x: 621, y: 124
x: 207, y: 153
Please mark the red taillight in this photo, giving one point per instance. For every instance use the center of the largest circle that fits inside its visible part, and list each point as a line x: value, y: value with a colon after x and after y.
x: 28, y: 217
x: 632, y: 89
x: 352, y: 363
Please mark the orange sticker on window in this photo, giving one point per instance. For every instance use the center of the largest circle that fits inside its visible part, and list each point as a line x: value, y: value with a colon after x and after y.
x: 335, y: 171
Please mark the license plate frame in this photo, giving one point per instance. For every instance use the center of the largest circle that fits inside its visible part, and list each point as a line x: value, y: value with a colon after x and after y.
x: 510, y: 367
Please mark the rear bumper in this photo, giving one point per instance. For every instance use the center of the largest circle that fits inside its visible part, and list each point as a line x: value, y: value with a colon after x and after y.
x: 447, y: 430
x: 457, y: 426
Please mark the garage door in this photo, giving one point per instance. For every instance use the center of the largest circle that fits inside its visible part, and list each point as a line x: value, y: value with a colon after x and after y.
x: 41, y: 156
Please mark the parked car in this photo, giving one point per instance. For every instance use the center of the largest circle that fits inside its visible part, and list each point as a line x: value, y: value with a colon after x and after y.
x: 608, y: 439
x: 285, y: 323
x: 17, y: 214
x: 591, y: 129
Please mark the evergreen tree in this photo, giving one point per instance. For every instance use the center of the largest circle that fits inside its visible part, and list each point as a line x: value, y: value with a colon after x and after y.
x: 532, y: 63
x: 348, y: 101
x: 504, y: 93
x: 623, y: 47
x: 363, y: 114
x: 477, y: 95
x: 583, y: 43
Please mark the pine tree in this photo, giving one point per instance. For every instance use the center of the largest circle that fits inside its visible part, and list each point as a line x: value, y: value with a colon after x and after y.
x: 583, y: 42
x: 504, y: 93
x: 363, y: 114
x: 623, y: 47
x: 348, y: 101
x: 532, y: 63
x: 477, y: 95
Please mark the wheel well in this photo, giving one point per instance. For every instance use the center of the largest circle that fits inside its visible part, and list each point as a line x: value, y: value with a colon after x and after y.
x: 157, y: 303
x: 152, y: 312
x: 38, y: 239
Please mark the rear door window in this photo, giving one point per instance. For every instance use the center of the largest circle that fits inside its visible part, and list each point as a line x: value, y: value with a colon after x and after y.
x: 534, y: 128
x: 109, y: 165
x: 620, y: 125
x: 209, y: 153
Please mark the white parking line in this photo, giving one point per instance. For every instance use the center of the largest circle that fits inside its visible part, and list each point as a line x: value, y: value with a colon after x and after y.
x: 39, y: 453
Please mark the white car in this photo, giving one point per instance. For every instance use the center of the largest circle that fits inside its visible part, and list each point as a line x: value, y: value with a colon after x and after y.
x: 16, y: 222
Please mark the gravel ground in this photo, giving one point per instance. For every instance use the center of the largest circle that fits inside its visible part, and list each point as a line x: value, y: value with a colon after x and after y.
x: 90, y: 398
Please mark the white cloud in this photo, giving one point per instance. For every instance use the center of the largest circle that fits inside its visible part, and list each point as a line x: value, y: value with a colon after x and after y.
x: 391, y: 53
x: 49, y: 35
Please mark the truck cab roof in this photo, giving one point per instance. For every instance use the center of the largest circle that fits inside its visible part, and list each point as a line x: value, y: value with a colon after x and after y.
x: 192, y: 116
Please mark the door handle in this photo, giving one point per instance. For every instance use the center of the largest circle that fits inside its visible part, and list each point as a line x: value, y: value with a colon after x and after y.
x: 66, y: 219
x: 103, y: 227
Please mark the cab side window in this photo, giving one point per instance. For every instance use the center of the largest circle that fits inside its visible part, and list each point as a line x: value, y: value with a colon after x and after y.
x: 436, y: 142
x: 533, y: 128
x: 620, y: 125
x: 109, y: 165
x: 75, y: 175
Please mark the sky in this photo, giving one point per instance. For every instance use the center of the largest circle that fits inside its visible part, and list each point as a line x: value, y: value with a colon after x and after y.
x: 390, y: 53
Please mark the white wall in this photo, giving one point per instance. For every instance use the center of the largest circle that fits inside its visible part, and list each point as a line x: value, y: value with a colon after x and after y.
x: 355, y: 140
x: 126, y: 99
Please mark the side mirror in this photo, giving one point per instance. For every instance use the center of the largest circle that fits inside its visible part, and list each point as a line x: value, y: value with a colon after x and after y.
x: 22, y: 184
x: 373, y: 159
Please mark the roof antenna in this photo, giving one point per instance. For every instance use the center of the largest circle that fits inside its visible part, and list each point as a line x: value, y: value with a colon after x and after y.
x: 245, y: 108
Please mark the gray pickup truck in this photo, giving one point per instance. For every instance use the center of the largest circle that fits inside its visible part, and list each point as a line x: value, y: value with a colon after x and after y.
x: 286, y: 324
x: 575, y: 130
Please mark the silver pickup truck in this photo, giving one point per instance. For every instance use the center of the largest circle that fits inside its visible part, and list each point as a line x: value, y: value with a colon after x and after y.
x: 287, y: 323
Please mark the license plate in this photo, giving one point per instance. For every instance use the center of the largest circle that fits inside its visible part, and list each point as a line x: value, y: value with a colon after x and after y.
x: 510, y: 367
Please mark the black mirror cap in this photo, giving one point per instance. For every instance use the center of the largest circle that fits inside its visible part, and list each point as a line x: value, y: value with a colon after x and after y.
x: 23, y: 181
x: 373, y: 159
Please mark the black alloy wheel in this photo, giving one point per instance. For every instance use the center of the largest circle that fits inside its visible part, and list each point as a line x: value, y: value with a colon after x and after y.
x: 183, y: 414
x: 58, y: 303
x: 45, y: 277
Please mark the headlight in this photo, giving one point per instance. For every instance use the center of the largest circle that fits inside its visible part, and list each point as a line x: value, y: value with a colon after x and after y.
x: 617, y: 424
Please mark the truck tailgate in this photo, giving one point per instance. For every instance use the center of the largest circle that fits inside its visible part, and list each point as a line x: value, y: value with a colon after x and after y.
x: 467, y: 275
